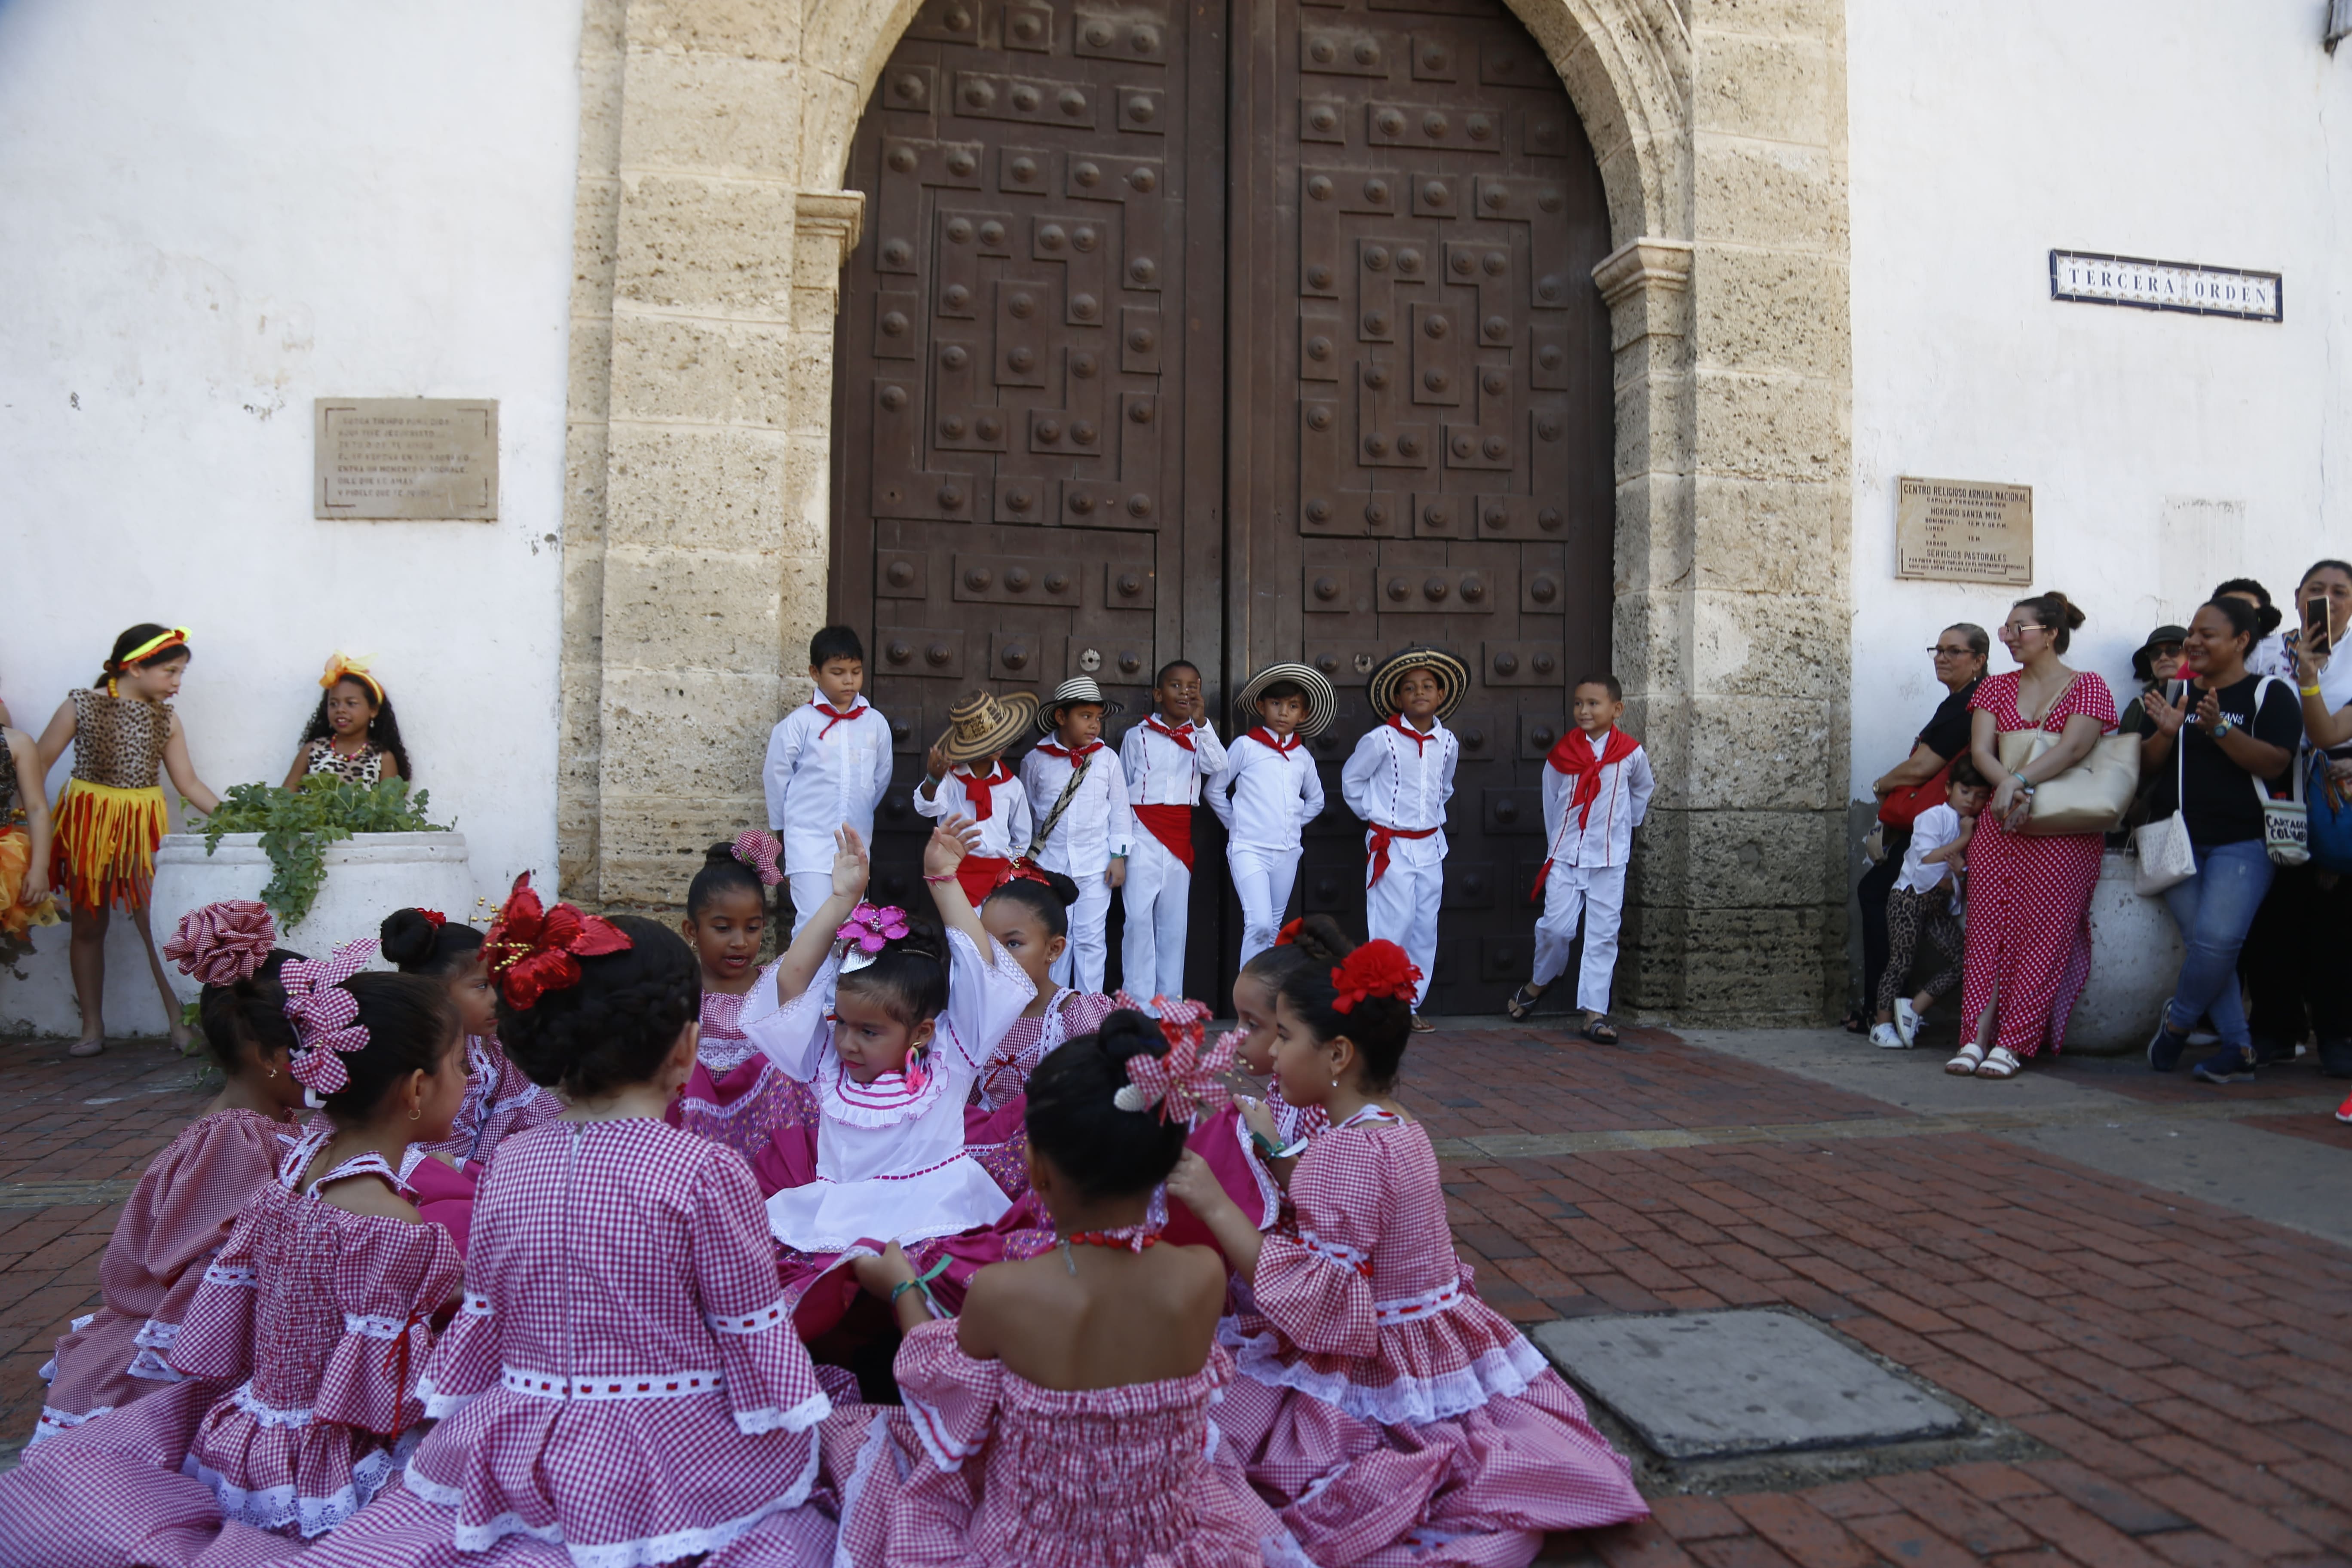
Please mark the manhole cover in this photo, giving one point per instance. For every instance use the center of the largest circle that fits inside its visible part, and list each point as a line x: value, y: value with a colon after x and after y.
x: 1709, y: 1385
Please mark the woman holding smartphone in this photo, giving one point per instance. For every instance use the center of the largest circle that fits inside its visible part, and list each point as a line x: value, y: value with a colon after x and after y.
x: 2293, y: 965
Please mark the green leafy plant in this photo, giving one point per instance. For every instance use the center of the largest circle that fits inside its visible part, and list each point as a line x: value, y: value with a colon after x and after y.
x: 296, y: 824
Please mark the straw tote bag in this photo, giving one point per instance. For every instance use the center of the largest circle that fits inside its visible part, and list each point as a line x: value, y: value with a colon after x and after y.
x: 2089, y: 797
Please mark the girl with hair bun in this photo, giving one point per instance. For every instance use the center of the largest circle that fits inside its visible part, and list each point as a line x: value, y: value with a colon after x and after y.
x: 1062, y: 1420
x: 1380, y: 1401
x: 623, y: 1384
x: 500, y: 1100
x: 1029, y: 916
x: 304, y: 1346
x: 187, y: 1200
x: 736, y: 1096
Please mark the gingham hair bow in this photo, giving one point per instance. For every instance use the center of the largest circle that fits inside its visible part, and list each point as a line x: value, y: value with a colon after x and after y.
x: 759, y: 850
x: 1187, y: 1080
x: 326, y: 1016
x: 869, y: 930
x: 223, y: 943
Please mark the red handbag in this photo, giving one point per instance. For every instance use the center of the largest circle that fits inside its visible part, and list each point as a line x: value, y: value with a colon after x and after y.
x: 1901, y: 808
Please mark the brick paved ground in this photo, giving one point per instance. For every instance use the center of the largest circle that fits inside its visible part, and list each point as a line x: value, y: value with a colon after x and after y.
x: 2189, y: 1369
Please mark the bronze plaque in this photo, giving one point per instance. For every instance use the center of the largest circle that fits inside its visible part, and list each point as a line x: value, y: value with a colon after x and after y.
x: 419, y: 457
x: 1963, y: 531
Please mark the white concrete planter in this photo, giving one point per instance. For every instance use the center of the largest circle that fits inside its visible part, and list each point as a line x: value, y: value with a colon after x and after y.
x: 369, y: 876
x: 2136, y: 956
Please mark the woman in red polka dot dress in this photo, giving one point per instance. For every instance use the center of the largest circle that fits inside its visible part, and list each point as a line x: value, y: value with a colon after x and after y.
x: 2028, y: 897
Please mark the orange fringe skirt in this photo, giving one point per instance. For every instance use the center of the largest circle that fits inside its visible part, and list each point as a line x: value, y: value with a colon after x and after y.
x: 106, y: 840
x: 18, y: 917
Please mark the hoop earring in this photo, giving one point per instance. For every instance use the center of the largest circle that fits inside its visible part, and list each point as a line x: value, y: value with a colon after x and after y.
x: 415, y: 1112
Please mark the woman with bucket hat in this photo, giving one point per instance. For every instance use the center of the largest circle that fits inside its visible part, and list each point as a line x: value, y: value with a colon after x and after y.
x: 966, y: 776
x: 1270, y: 791
x: 1399, y: 779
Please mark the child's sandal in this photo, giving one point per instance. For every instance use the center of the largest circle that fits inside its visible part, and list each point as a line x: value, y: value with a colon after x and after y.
x: 1522, y: 1003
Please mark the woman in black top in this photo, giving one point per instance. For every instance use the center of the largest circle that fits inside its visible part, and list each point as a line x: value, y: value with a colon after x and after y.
x: 2234, y: 732
x: 1961, y: 651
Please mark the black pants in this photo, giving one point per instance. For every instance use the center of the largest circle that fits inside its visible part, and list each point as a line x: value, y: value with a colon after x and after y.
x: 1870, y: 894
x: 2294, y: 966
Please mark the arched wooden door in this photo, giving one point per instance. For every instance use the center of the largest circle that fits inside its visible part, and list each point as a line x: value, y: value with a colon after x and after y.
x: 1240, y: 331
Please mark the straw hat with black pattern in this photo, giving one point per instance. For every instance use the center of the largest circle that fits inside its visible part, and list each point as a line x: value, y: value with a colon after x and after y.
x: 1322, y: 702
x: 1452, y: 679
x: 1069, y: 694
x: 984, y: 724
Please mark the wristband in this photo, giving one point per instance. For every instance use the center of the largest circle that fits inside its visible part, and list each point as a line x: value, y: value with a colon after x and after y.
x: 921, y: 1282
x: 949, y: 876
x: 1267, y: 1147
x: 2308, y: 691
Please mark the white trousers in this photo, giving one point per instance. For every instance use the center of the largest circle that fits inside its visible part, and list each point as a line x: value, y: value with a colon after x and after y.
x: 1080, y: 967
x: 1261, y: 881
x: 1597, y: 894
x: 1402, y: 907
x: 1159, y: 895
x: 810, y: 890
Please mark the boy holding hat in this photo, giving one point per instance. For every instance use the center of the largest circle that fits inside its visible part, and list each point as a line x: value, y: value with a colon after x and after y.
x: 1078, y: 795
x: 1597, y: 786
x: 1165, y: 758
x: 965, y: 776
x: 1399, y: 779
x: 1270, y: 791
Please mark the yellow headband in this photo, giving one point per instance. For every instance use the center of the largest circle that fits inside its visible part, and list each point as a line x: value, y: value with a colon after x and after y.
x: 343, y: 664
x: 176, y: 637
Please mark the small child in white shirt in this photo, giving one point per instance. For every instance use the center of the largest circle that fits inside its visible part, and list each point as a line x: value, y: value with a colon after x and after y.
x: 965, y: 776
x: 1165, y: 758
x: 828, y: 767
x: 1926, y: 901
x: 1398, y: 780
x: 1077, y: 796
x: 1270, y: 791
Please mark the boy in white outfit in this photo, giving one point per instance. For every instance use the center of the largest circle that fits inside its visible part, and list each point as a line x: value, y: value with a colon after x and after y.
x: 828, y: 765
x: 1077, y: 796
x: 1165, y: 758
x: 1597, y: 786
x: 1398, y: 780
x: 965, y: 776
x: 1269, y: 792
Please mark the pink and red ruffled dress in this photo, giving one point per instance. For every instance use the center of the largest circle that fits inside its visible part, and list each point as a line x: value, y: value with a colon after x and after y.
x: 1026, y: 1042
x: 1397, y: 1417
x: 982, y: 1468
x: 736, y: 1096
x: 178, y: 1217
x: 623, y: 1382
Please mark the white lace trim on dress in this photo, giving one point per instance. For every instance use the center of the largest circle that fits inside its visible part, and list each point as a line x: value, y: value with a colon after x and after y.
x: 155, y: 1340
x: 477, y: 1305
x: 275, y: 1507
x: 774, y: 1315
x: 54, y: 1421
x: 374, y: 1327
x: 940, y: 1444
x: 439, y: 1407
x: 245, y: 1399
x: 1503, y: 1371
x: 626, y: 1385
x: 244, y: 1274
x: 870, y: 1450
x: 1415, y: 1308
x: 772, y: 1418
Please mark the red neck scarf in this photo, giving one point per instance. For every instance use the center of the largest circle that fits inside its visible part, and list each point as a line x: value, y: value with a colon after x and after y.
x: 833, y: 715
x: 1183, y: 737
x: 1265, y: 737
x: 1574, y: 756
x: 1420, y: 741
x: 976, y: 788
x: 1078, y: 754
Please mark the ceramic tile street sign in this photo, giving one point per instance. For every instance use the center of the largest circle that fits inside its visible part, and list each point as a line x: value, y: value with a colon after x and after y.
x: 2183, y: 286
x: 1964, y: 531
x: 407, y: 458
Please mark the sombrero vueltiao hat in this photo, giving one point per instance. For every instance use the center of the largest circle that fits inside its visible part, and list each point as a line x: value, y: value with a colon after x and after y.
x: 1322, y: 702
x: 1077, y: 690
x: 1452, y: 679
x: 984, y: 724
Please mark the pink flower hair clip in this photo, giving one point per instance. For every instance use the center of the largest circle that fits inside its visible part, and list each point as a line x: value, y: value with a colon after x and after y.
x: 1188, y: 1081
x: 868, y: 931
x: 326, y: 1016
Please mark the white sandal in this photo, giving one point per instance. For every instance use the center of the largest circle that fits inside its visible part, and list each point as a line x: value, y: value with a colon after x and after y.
x: 1970, y: 1058
x: 2000, y: 1062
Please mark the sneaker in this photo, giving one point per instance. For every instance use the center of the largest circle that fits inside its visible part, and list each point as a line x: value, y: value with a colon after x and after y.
x: 1906, y: 1021
x: 2268, y: 1051
x: 2228, y: 1065
x: 2164, y: 1047
x: 2344, y: 1111
x: 1885, y: 1037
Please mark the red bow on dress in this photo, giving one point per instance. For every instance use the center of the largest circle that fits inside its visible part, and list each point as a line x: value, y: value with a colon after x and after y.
x: 758, y: 850
x: 534, y: 950
x: 976, y: 788
x: 1378, y: 968
x: 1265, y: 737
x: 326, y: 1016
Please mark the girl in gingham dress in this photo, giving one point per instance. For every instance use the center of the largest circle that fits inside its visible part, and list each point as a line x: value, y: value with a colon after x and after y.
x: 736, y: 1096
x: 623, y: 1384
x: 499, y: 1099
x: 1393, y: 1414
x: 1063, y: 1420
x: 188, y: 1200
x: 316, y: 1316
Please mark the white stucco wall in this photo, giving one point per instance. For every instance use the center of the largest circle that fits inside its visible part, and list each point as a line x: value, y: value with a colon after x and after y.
x: 1986, y: 132
x: 215, y: 214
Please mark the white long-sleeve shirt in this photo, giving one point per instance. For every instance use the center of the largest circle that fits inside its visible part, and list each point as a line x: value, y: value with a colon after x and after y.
x: 1606, y: 837
x: 1097, y: 823
x: 1161, y: 771
x: 824, y: 769
x: 1391, y: 782
x: 1266, y: 797
x: 1004, y: 832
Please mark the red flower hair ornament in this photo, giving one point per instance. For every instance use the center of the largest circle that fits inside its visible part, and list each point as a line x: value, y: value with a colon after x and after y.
x: 326, y: 1016
x: 1188, y: 1081
x: 1376, y: 969
x: 533, y: 950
